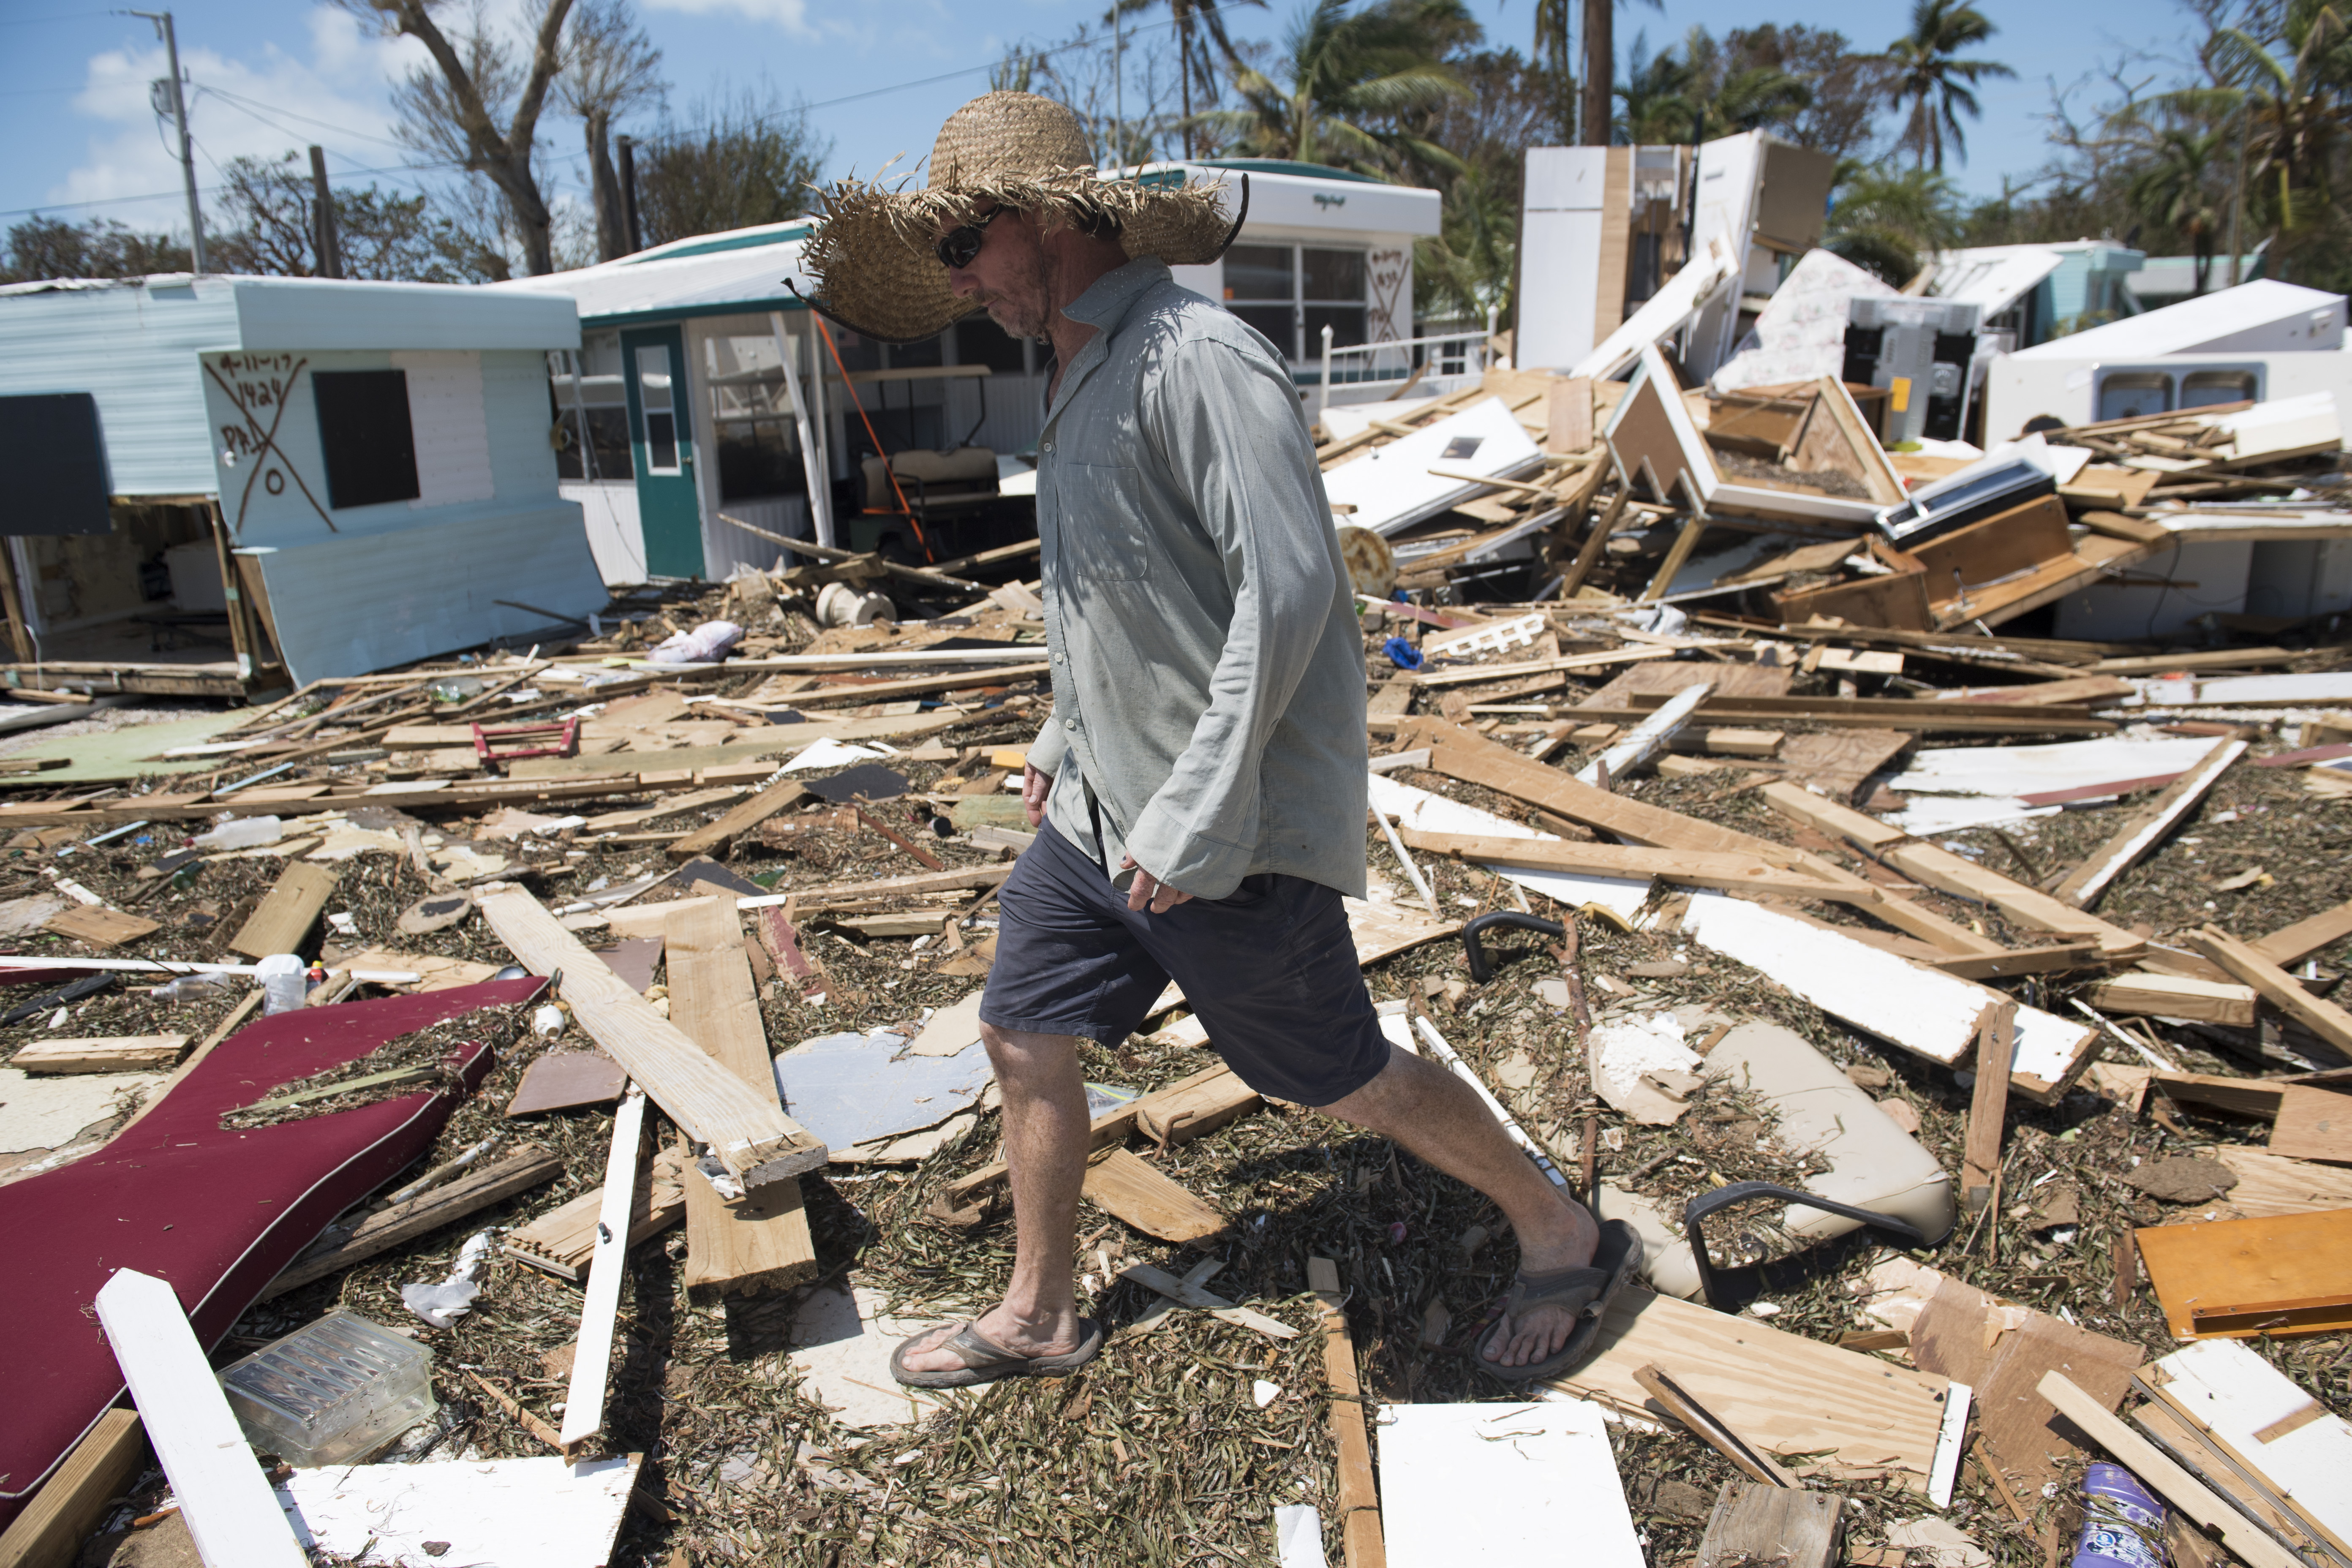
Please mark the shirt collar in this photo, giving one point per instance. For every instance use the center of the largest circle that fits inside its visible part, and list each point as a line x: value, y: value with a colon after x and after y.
x: 1107, y: 299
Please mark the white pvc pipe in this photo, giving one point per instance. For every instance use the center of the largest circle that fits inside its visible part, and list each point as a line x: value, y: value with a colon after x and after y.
x: 173, y: 966
x: 1511, y: 1127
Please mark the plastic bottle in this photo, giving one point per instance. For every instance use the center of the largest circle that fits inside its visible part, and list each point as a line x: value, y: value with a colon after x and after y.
x: 191, y: 988
x: 241, y: 833
x: 2123, y: 1526
x: 283, y: 983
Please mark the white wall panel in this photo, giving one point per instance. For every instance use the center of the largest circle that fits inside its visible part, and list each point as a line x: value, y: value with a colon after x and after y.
x: 450, y: 427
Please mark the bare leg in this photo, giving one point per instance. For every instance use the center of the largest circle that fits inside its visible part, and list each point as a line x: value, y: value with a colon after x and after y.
x: 1046, y: 1160
x: 1441, y: 1120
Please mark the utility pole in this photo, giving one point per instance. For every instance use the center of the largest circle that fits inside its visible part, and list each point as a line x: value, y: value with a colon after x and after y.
x: 1599, y: 71
x: 163, y: 20
x: 322, y: 221
x: 628, y: 149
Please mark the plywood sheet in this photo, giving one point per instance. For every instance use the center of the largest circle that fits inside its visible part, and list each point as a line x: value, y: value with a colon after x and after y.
x: 2231, y: 1279
x: 2313, y: 1124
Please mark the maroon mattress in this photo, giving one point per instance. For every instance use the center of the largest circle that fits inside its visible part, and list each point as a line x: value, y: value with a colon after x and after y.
x: 218, y: 1213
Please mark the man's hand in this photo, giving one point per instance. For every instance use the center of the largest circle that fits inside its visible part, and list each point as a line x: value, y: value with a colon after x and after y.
x: 1148, y: 889
x: 1034, y: 787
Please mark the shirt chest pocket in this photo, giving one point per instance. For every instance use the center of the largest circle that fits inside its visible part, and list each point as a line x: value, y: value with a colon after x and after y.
x: 1103, y: 538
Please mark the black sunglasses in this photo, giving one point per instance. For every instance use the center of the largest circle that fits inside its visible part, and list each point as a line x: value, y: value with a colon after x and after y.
x: 961, y: 245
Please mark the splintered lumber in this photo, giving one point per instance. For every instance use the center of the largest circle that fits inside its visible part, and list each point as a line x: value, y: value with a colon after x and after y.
x: 2173, y: 1483
x: 2020, y: 961
x: 2306, y: 937
x: 562, y: 1240
x: 1460, y: 754
x: 1360, y: 1500
x: 1688, y: 868
x: 287, y: 913
x: 101, y: 927
x: 592, y: 1361
x: 1701, y: 1424
x: 1132, y: 1189
x: 2146, y: 827
x: 2274, y: 1184
x: 66, y: 1510
x: 1922, y: 1010
x: 1185, y: 1294
x: 2176, y: 996
x: 1177, y: 1113
x: 752, y: 1137
x: 741, y: 820
x: 2230, y: 1278
x: 226, y: 1502
x: 1648, y: 735
x: 1869, y: 1416
x: 1754, y: 1523
x: 881, y: 888
x: 120, y: 1053
x: 2280, y: 989
x: 519, y: 1171
x: 1947, y: 872
x: 1996, y: 1045
x: 762, y: 1243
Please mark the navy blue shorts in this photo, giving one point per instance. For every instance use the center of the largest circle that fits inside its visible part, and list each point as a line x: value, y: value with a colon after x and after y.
x: 1271, y: 971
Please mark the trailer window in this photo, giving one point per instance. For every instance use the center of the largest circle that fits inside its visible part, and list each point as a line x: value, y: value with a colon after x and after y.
x: 592, y: 407
x: 366, y: 436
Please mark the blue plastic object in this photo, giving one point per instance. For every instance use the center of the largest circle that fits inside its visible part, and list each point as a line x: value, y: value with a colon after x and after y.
x: 1402, y: 654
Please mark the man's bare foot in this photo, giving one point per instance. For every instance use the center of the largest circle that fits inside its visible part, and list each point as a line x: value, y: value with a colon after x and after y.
x: 1542, y: 1329
x: 1053, y: 1335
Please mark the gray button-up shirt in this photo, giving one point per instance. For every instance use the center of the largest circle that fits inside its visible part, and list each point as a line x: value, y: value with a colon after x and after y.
x: 1208, y: 670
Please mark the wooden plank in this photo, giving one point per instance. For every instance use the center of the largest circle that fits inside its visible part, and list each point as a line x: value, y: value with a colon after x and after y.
x: 2237, y: 1277
x: 755, y: 1141
x: 1756, y: 1523
x: 2253, y: 1096
x: 562, y: 1240
x: 66, y: 1510
x: 420, y: 1215
x: 714, y: 839
x: 1876, y: 713
x: 2176, y: 1485
x: 881, y: 888
x: 287, y: 913
x: 1701, y: 1423
x: 101, y: 927
x: 2176, y: 996
x: 2073, y: 689
x: 2174, y: 1428
x: 920, y: 686
x: 2280, y: 989
x: 1143, y: 1196
x: 2313, y: 1124
x: 2020, y: 961
x: 2305, y: 937
x: 762, y: 1244
x: 226, y: 1502
x: 2272, y: 1184
x: 1863, y: 1412
x: 1687, y: 868
x: 1947, y: 872
x: 1358, y: 1498
x: 122, y: 1053
x: 2146, y: 827
x: 1174, y: 1114
x: 583, y: 1412
x: 1186, y: 1294
x: 1988, y: 1105
x: 2266, y: 1426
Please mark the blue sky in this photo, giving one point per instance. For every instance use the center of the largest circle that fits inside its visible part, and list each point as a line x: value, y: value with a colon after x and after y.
x: 274, y: 75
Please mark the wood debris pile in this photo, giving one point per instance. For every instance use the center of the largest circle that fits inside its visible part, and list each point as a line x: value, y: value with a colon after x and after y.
x: 1806, y: 877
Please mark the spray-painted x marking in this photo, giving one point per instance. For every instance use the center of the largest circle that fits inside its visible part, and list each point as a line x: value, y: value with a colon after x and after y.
x: 267, y: 441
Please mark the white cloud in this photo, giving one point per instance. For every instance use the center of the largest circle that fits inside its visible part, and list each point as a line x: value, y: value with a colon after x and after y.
x: 791, y: 16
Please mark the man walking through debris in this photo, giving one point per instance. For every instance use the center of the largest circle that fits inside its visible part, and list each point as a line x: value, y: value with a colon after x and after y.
x: 1198, y: 789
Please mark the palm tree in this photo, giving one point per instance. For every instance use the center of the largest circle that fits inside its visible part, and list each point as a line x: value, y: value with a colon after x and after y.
x: 1352, y: 77
x: 1892, y: 223
x: 1930, y: 73
x: 1203, y: 48
x: 2175, y: 190
x: 1697, y: 98
x: 2289, y: 101
x: 1655, y: 97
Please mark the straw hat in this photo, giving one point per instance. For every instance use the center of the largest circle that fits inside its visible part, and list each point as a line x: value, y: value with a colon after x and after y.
x: 875, y: 258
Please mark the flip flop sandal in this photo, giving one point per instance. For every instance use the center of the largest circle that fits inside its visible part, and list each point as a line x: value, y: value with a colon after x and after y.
x: 985, y: 1361
x: 1586, y: 1291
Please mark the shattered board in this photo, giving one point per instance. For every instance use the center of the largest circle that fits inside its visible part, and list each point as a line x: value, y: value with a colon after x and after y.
x: 487, y: 1514
x: 1391, y: 488
x: 1434, y: 813
x: 852, y: 1088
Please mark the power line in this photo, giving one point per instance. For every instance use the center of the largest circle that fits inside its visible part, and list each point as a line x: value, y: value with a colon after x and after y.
x: 254, y: 110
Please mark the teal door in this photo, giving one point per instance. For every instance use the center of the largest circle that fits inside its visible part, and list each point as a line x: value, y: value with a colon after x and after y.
x: 661, y: 439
